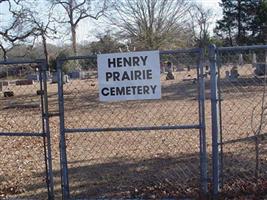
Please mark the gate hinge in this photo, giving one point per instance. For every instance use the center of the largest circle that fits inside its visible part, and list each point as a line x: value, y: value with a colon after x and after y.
x: 40, y: 92
x: 56, y: 114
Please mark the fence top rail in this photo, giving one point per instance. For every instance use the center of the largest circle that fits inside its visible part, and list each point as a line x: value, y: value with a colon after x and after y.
x: 240, y: 48
x: 145, y: 128
x: 77, y: 58
x: 189, y: 50
x: 14, y: 62
x: 22, y: 134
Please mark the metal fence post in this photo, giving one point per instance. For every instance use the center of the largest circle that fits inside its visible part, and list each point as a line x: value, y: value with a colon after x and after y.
x: 62, y: 143
x: 202, y: 130
x: 43, y: 80
x: 215, y: 120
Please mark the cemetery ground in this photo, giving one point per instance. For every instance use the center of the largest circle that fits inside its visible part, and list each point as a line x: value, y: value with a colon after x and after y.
x: 143, y: 164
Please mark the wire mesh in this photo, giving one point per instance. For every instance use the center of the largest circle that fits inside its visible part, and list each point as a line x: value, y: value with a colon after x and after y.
x: 22, y: 163
x: 242, y: 89
x: 22, y: 168
x: 129, y: 164
x: 19, y: 100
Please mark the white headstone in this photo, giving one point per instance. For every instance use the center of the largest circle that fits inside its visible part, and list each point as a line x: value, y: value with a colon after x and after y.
x: 254, y: 58
x: 240, y: 59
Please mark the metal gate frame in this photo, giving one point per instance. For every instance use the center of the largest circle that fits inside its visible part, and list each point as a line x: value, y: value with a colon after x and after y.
x: 201, y: 126
x: 45, y: 134
x: 216, y: 111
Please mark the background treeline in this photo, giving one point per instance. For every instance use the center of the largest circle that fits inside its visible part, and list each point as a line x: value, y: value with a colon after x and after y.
x: 30, y: 29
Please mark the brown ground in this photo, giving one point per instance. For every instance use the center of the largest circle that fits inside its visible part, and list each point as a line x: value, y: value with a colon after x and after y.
x: 148, y: 164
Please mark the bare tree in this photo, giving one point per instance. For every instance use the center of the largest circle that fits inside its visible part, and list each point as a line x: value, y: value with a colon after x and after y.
x: 77, y: 10
x: 201, y: 20
x: 16, y: 30
x: 153, y: 24
x: 44, y: 28
x: 26, y: 25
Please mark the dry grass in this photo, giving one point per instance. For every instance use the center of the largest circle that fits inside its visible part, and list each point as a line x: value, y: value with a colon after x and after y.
x: 148, y: 164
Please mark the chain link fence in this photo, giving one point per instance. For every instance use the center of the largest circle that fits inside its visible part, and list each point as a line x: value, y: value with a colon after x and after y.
x: 133, y: 149
x: 138, y: 148
x: 242, y: 108
x: 24, y: 166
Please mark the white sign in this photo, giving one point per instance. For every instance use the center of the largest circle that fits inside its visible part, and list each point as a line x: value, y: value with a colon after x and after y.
x: 129, y: 76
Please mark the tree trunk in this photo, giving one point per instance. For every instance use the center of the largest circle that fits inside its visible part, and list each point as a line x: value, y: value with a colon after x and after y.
x: 45, y: 50
x: 5, y: 55
x: 230, y: 36
x: 74, y: 39
x: 4, y: 52
x: 239, y: 10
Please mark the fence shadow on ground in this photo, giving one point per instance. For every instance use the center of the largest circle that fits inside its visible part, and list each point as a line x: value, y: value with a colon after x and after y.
x: 161, y: 177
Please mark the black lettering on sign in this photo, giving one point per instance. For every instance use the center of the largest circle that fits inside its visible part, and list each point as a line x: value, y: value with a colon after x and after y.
x: 119, y: 62
x: 135, y: 61
x: 112, y: 91
x: 137, y: 75
x: 134, y: 89
x: 125, y: 76
x: 144, y: 60
x: 127, y: 61
x: 120, y: 91
x: 129, y: 75
x: 105, y: 92
x: 116, y: 76
x: 111, y: 62
x: 139, y: 89
x: 108, y: 76
x: 128, y: 90
x: 146, y: 89
x: 153, y: 87
x: 149, y: 74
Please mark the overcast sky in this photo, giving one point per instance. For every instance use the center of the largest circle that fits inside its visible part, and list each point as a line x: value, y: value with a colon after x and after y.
x: 86, y: 31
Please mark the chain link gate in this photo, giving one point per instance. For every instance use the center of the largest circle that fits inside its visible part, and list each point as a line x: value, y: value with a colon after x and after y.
x: 133, y: 149
x: 238, y: 87
x: 26, y: 163
x: 138, y: 149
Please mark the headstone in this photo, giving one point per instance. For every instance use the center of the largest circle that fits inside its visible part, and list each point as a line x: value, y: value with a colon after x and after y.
x: 76, y: 75
x: 33, y: 77
x: 240, y: 59
x: 5, y: 83
x: 254, y: 59
x: 234, y: 74
x: 188, y: 68
x: 54, y: 78
x: 39, y: 92
x: 227, y: 74
x: 8, y: 94
x: 260, y: 69
x: 169, y: 76
x: 66, y: 79
x: 24, y: 82
x: 48, y: 75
